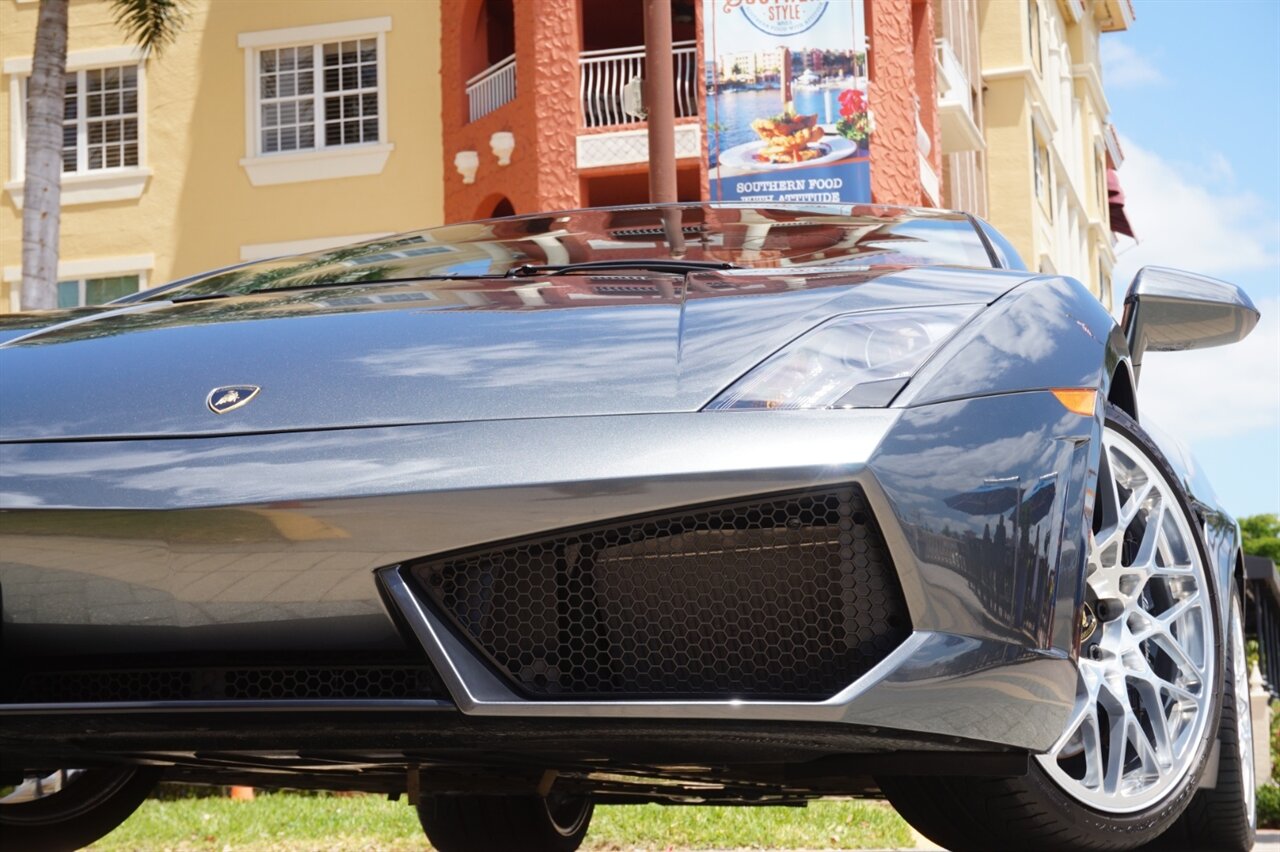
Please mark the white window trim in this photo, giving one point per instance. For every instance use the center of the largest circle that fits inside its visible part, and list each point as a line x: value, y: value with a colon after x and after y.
x: 326, y: 163
x: 140, y: 265
x: 88, y: 187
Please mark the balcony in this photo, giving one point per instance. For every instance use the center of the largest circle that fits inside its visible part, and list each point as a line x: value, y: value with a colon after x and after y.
x: 603, y: 74
x: 955, y: 103
x: 1072, y: 9
x: 1114, y: 15
x: 491, y: 88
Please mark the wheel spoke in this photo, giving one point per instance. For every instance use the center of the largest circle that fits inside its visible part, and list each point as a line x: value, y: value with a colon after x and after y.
x: 1133, y: 506
x: 1142, y: 702
x: 1116, y: 754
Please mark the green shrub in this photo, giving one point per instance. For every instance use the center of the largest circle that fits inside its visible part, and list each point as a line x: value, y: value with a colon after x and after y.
x: 1269, y: 806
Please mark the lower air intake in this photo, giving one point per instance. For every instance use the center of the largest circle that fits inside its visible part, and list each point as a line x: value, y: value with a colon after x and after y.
x: 782, y: 596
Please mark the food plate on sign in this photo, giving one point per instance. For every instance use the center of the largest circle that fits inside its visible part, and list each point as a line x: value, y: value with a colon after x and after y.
x: 744, y: 156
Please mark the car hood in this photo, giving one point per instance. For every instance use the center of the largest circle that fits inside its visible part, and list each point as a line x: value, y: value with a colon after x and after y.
x: 431, y: 351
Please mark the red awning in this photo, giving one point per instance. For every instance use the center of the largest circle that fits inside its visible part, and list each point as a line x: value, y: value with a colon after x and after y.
x: 1115, y: 201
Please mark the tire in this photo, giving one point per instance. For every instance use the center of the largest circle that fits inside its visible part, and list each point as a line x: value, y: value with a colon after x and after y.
x: 89, y: 806
x: 1224, y: 818
x: 513, y: 823
x: 1155, y: 653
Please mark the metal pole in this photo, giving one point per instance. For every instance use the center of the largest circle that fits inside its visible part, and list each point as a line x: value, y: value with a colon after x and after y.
x: 660, y: 99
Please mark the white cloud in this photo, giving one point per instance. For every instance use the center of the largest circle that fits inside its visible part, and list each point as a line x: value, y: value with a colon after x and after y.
x: 1186, y: 220
x: 1124, y: 67
x: 1212, y: 394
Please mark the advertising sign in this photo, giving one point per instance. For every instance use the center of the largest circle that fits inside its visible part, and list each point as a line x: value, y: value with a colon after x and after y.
x: 788, y: 118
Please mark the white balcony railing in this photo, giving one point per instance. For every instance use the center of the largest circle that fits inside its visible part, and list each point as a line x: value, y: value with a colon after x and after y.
x: 960, y: 131
x: 491, y: 88
x: 604, y: 73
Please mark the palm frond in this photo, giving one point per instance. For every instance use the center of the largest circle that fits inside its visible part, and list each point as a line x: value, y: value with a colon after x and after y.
x: 150, y: 24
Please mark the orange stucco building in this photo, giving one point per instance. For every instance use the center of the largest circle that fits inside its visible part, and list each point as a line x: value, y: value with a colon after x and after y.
x: 539, y: 84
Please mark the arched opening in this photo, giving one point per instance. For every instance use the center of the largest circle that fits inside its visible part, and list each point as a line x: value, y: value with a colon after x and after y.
x: 504, y: 207
x: 495, y: 206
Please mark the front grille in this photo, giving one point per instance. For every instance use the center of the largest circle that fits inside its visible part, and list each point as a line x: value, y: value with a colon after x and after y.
x: 786, y: 596
x: 244, y: 683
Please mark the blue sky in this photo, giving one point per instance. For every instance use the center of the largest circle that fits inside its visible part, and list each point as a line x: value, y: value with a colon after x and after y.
x: 1194, y: 90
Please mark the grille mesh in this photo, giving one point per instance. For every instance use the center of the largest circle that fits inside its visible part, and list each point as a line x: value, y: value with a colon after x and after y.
x: 227, y: 684
x: 783, y: 596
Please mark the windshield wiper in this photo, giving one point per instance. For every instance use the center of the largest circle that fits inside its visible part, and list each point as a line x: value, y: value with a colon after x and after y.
x: 678, y: 267
x: 200, y: 297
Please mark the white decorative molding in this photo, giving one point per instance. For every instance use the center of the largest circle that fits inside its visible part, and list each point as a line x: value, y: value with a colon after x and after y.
x: 102, y: 267
x: 263, y: 251
x: 316, y: 32
x: 93, y: 187
x: 99, y: 57
x: 1031, y: 79
x: 624, y: 147
x: 1093, y: 84
x: 325, y: 164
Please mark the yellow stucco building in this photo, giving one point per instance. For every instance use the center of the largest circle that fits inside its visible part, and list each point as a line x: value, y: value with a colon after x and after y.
x: 1046, y: 132
x: 270, y: 126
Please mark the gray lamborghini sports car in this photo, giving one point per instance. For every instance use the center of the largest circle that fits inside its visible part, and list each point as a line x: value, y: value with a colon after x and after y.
x: 669, y: 504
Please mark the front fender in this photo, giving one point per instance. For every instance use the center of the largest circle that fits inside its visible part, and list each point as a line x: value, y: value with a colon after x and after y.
x: 1046, y: 333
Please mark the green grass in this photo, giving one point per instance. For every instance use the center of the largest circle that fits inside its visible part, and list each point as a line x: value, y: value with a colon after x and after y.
x: 286, y: 822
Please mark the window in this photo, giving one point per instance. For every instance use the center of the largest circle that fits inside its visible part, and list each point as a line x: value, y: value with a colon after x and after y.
x: 1033, y: 28
x: 316, y: 101
x: 99, y: 119
x: 296, y: 114
x: 104, y: 148
x: 95, y: 291
x: 1041, y: 169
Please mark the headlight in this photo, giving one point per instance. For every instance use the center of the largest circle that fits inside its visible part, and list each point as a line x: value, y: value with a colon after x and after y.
x: 854, y: 361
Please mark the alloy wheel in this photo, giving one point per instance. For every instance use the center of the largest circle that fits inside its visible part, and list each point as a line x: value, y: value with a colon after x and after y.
x: 1146, y: 667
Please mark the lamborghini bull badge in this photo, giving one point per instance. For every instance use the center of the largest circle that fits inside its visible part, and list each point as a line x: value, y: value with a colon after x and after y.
x: 224, y: 399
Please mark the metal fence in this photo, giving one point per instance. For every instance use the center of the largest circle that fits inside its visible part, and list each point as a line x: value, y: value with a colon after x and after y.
x: 604, y: 73
x: 1262, y: 616
x: 491, y: 88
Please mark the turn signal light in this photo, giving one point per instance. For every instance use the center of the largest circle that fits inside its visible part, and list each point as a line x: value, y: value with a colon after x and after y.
x: 1078, y: 400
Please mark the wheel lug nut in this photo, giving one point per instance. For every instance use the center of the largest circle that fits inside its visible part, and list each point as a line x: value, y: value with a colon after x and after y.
x: 1108, y: 609
x: 1095, y: 652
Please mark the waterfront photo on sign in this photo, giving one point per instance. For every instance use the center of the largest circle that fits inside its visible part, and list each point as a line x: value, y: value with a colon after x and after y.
x: 788, y: 117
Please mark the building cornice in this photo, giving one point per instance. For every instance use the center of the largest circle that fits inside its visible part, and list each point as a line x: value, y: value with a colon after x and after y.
x: 1093, y: 83
x: 1030, y: 79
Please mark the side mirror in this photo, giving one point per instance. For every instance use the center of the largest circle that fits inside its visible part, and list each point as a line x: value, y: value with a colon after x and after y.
x: 1166, y: 310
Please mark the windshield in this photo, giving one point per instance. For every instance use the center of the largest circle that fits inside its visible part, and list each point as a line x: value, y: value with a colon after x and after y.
x: 735, y: 235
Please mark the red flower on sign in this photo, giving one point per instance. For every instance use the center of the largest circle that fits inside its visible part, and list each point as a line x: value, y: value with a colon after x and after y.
x: 852, y: 103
